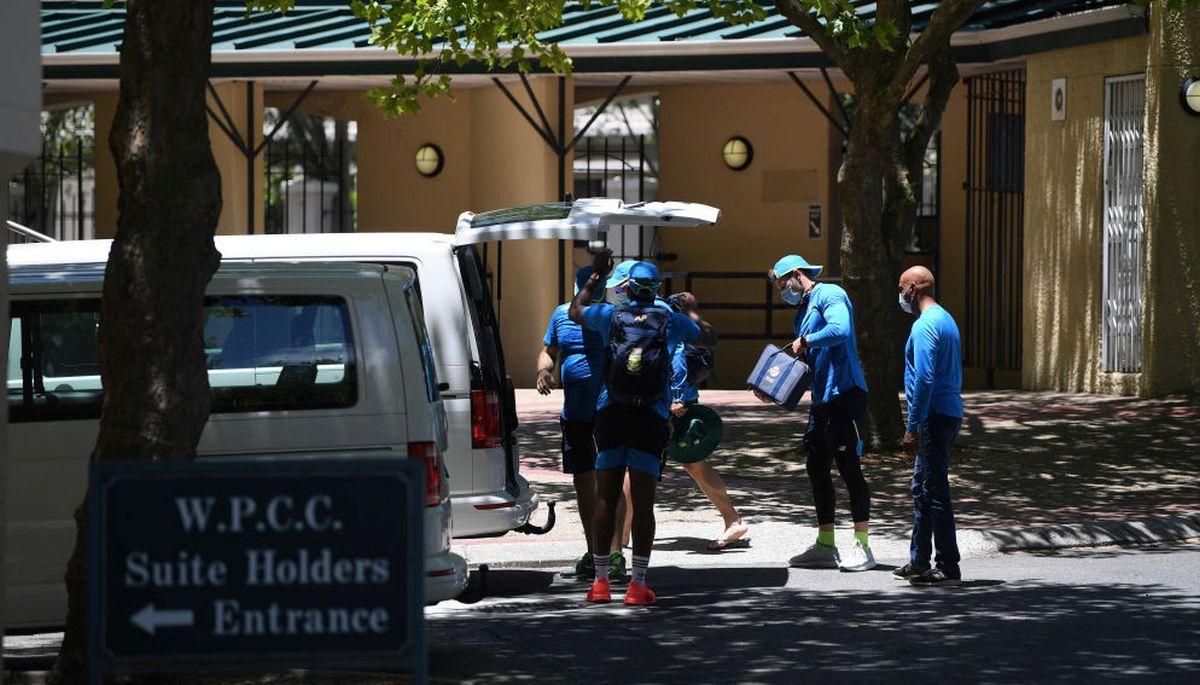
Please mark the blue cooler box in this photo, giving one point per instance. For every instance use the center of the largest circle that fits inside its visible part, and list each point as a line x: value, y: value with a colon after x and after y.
x: 780, y: 376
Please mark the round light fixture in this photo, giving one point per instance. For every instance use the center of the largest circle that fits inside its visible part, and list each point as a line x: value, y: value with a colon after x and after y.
x: 1189, y: 95
x: 737, y: 153
x: 429, y: 160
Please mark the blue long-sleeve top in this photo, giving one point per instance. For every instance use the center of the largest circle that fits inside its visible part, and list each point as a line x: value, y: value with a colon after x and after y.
x: 932, y: 368
x: 827, y: 318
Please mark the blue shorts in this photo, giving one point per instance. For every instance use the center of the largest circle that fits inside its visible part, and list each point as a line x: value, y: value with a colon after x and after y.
x: 619, y: 457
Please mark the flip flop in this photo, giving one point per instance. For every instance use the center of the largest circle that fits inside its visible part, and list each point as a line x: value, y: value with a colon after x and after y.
x: 731, y: 535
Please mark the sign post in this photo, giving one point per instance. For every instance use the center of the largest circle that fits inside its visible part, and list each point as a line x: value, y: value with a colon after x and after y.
x: 256, y: 563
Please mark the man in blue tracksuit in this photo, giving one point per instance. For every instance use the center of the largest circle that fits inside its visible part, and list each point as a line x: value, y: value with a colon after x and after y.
x: 825, y: 338
x: 933, y: 388
x: 581, y: 357
x: 632, y: 409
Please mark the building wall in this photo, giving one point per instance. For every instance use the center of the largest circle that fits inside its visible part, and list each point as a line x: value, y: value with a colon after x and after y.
x: 230, y: 161
x: 1172, y: 182
x: 1063, y: 218
x: 764, y: 207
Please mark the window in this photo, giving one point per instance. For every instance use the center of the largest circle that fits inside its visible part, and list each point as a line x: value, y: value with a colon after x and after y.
x: 1122, y: 313
x: 262, y: 353
x: 417, y: 316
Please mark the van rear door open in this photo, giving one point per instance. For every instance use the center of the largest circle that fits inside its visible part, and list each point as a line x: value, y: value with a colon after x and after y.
x: 582, y: 219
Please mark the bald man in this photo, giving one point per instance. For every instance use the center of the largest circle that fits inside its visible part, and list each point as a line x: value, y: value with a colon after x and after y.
x: 933, y: 388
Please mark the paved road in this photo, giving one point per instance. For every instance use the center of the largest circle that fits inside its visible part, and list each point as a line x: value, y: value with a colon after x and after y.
x: 1111, y: 615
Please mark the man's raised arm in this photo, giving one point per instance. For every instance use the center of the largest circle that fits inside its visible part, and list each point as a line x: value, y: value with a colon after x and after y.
x: 602, y: 264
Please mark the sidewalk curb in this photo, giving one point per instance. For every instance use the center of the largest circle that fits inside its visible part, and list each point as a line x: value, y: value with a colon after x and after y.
x: 1090, y: 534
x: 972, y: 542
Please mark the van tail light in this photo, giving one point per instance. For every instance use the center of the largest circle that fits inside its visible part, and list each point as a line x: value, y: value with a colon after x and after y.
x: 427, y: 452
x: 485, y: 419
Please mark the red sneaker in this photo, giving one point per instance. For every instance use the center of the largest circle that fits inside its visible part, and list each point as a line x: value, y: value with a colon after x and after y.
x: 601, y: 591
x: 638, y: 595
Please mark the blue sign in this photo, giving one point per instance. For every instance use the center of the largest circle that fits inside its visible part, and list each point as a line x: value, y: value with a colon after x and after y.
x: 254, y: 564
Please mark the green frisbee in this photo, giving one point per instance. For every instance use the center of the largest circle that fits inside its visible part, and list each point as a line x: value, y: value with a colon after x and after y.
x: 695, y: 434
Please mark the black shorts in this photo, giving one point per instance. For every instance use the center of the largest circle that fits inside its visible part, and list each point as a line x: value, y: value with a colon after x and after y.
x: 578, y: 446
x: 637, y: 427
x: 833, y: 427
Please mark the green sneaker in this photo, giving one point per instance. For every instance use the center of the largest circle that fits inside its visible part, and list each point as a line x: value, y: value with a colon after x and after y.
x: 617, y: 572
x: 585, y: 568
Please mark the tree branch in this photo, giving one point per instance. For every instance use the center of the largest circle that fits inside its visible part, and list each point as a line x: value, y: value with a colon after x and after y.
x: 948, y: 17
x: 943, y: 76
x: 835, y: 48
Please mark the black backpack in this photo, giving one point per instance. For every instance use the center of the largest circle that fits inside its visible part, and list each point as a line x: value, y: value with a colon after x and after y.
x: 638, y: 363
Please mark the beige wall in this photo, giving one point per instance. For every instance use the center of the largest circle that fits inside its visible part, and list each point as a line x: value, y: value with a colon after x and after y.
x: 230, y: 161
x: 1172, y: 183
x: 1063, y: 218
x: 764, y: 207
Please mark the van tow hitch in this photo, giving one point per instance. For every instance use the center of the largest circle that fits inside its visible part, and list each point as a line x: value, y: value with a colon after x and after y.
x: 530, y: 529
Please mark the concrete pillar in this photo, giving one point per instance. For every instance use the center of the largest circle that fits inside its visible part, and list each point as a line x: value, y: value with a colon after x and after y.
x: 1172, y: 296
x: 20, y: 108
x: 512, y: 165
x: 230, y: 161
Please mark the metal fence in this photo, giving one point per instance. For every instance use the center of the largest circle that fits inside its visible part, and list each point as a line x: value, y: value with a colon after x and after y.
x: 995, y: 220
x: 623, y: 167
x: 55, y: 194
x: 1121, y: 325
x: 311, y: 174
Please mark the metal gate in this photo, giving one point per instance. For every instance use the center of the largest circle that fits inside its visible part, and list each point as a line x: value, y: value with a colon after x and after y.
x: 995, y: 220
x: 625, y: 167
x: 1121, y: 324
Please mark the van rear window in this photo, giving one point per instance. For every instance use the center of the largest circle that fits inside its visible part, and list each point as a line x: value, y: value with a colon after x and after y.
x: 522, y: 213
x: 262, y: 353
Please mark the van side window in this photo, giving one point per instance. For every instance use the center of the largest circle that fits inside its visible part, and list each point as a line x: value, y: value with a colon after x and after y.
x: 262, y: 353
x: 279, y: 352
x: 53, y: 360
x: 417, y: 316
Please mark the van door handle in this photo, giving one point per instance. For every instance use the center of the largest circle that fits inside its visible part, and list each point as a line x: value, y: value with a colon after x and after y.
x: 443, y: 387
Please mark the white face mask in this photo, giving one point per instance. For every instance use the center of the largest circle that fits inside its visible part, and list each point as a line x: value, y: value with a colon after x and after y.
x: 618, y: 295
x: 907, y: 304
x: 792, y: 296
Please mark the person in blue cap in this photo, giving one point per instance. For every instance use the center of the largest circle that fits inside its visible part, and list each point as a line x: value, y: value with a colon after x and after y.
x: 825, y: 339
x: 632, y: 410
x: 581, y: 359
x: 683, y: 396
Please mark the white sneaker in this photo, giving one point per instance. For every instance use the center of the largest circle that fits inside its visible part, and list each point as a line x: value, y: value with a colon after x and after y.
x: 859, y: 558
x: 816, y: 556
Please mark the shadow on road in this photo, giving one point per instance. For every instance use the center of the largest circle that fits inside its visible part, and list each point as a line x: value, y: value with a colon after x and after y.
x: 763, y: 625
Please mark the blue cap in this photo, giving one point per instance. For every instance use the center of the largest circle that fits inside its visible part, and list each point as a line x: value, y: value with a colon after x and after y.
x: 643, y: 271
x: 792, y: 263
x: 619, y: 275
x: 582, y: 276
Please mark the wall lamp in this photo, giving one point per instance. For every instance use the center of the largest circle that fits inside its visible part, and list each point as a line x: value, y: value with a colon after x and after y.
x: 1189, y: 95
x: 429, y: 160
x: 737, y: 153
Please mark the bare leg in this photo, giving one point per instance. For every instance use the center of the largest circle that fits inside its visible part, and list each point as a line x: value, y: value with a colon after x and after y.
x: 585, y: 499
x: 608, y: 492
x: 625, y: 518
x: 642, y: 486
x: 713, y: 486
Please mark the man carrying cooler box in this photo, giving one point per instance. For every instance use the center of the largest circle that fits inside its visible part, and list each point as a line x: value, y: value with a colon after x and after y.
x: 825, y: 339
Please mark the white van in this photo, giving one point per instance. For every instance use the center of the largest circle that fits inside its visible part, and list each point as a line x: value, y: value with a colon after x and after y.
x: 488, y: 494
x: 312, y: 359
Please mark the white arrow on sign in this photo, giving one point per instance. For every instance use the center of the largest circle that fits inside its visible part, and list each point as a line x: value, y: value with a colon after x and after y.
x: 150, y: 619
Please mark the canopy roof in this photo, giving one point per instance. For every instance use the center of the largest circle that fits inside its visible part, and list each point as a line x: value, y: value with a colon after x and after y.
x: 73, y: 26
x: 319, y: 38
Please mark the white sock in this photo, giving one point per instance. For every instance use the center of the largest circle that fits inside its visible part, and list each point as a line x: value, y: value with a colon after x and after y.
x: 640, y: 565
x: 603, y: 563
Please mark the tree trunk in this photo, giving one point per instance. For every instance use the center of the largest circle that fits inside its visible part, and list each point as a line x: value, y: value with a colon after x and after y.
x: 156, y: 396
x: 870, y: 260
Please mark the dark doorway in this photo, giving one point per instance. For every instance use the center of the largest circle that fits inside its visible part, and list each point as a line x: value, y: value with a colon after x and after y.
x: 995, y: 221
